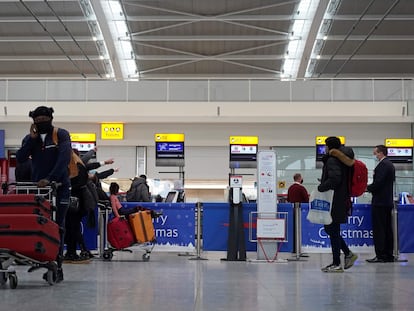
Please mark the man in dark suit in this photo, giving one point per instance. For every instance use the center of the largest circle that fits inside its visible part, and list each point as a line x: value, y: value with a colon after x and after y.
x: 382, y: 189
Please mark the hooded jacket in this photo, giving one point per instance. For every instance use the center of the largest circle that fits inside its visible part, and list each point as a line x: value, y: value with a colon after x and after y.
x: 139, y: 191
x: 335, y: 176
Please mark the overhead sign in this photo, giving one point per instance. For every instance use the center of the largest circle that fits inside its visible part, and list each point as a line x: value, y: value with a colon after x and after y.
x: 83, y: 137
x: 399, y: 142
x: 320, y: 140
x: 112, y: 131
x: 169, y: 138
x: 244, y: 140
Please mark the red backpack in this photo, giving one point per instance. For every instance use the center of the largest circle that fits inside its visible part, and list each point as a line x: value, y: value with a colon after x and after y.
x: 359, y: 179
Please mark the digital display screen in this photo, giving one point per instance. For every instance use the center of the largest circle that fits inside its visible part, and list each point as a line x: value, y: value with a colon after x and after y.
x: 321, y: 150
x: 169, y: 150
x: 243, y: 152
x: 400, y: 154
x: 83, y: 146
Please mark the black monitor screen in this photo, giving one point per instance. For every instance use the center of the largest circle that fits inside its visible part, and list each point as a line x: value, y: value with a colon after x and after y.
x: 171, y: 197
x: 169, y: 150
x: 400, y: 154
x: 243, y: 153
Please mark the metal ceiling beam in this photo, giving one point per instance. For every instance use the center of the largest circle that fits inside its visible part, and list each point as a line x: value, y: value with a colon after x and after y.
x: 43, y: 38
x: 224, y: 57
x: 371, y: 38
x: 212, y: 38
x: 180, y: 18
x: 46, y: 19
x: 370, y: 17
x: 369, y: 57
x: 47, y: 58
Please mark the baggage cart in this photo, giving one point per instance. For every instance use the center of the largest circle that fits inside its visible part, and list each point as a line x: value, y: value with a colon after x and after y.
x: 106, y: 250
x: 33, y: 227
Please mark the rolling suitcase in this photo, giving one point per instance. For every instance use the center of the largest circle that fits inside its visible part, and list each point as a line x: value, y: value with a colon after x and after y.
x: 25, y: 204
x: 33, y: 236
x: 119, y: 233
x: 142, y: 226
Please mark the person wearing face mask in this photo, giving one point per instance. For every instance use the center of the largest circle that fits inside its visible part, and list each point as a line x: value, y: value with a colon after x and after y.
x: 49, y: 164
x: 335, y: 176
x: 382, y: 203
x: 297, y: 193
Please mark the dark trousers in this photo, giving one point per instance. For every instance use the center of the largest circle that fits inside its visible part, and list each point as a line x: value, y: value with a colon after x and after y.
x: 62, y: 204
x: 74, y: 236
x: 337, y: 242
x: 382, y: 230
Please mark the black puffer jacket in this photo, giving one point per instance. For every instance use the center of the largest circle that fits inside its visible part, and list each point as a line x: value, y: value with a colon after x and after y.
x: 335, y: 176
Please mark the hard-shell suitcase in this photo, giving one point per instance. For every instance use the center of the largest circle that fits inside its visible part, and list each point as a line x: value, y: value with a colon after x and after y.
x: 142, y: 226
x: 25, y: 204
x: 34, y: 236
x: 119, y: 233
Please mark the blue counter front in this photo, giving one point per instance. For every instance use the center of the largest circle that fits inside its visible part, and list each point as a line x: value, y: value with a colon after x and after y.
x: 177, y: 225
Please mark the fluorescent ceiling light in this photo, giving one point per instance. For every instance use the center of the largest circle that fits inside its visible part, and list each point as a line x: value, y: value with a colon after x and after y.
x: 305, y: 14
x: 322, y: 36
x: 97, y: 37
x: 122, y: 40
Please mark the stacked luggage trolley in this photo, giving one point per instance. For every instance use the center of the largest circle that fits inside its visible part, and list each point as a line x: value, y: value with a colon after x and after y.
x: 124, y: 232
x: 29, y: 235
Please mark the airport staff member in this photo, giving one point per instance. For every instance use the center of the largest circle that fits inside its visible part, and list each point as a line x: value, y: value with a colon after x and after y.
x: 49, y: 164
x: 382, y: 203
x: 297, y: 193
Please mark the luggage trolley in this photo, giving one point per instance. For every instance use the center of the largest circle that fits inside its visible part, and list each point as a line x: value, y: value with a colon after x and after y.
x: 107, y: 252
x: 29, y: 202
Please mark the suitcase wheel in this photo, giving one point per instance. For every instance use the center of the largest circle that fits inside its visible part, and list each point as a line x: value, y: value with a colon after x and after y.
x: 12, y: 280
x: 146, y: 257
x: 107, y: 255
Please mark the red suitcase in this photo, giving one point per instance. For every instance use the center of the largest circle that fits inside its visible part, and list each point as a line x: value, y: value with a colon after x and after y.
x: 119, y: 233
x: 34, y: 236
x: 25, y: 204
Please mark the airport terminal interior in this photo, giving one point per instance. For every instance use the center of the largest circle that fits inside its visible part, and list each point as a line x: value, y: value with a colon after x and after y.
x: 219, y: 103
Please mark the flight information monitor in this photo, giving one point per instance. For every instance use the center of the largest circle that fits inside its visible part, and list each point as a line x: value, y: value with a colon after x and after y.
x: 243, y: 151
x: 169, y: 150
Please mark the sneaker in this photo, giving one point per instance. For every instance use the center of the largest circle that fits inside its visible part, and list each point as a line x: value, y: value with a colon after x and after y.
x: 75, y: 259
x: 349, y: 260
x: 86, y: 254
x: 332, y: 268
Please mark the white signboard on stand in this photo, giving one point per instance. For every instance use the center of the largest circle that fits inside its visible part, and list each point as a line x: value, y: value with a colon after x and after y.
x: 266, y: 186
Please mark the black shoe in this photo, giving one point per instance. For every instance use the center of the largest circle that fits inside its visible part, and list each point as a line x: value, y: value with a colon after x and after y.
x: 86, y: 254
x: 375, y: 260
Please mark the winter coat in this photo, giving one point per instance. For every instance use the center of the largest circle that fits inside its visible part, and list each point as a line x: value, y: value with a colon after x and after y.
x: 335, y: 176
x: 139, y: 191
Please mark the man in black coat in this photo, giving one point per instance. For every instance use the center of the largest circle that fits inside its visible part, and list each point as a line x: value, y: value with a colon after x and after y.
x: 335, y: 176
x: 382, y: 189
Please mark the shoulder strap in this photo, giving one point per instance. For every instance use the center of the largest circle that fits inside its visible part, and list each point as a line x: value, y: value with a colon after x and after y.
x: 55, y: 135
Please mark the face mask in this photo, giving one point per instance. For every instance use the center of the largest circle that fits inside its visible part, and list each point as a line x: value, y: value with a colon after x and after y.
x: 44, y: 127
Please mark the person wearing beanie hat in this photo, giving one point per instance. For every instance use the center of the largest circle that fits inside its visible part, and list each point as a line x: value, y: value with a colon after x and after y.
x: 49, y: 164
x: 335, y: 176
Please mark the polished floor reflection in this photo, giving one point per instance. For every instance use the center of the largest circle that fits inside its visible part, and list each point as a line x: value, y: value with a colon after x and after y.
x: 175, y: 283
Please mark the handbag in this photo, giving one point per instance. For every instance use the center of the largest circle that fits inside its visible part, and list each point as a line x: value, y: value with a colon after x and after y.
x: 320, y: 207
x: 88, y: 199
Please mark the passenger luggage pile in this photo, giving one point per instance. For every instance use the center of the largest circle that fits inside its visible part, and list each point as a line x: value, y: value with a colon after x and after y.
x: 28, y: 235
x: 137, y: 229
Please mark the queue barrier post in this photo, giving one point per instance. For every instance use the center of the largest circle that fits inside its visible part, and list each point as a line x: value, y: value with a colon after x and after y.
x: 198, y: 230
x: 394, y: 219
x: 298, y: 255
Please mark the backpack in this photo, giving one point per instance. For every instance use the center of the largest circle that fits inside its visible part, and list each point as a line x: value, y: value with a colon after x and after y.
x: 359, y: 179
x: 74, y: 159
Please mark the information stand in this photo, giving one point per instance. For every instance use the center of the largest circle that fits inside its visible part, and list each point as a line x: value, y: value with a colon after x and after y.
x: 270, y: 228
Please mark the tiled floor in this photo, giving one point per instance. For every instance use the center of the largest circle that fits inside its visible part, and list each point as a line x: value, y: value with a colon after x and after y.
x: 175, y: 283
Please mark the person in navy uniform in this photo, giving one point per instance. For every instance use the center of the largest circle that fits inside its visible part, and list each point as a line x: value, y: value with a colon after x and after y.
x: 382, y: 190
x: 49, y: 164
